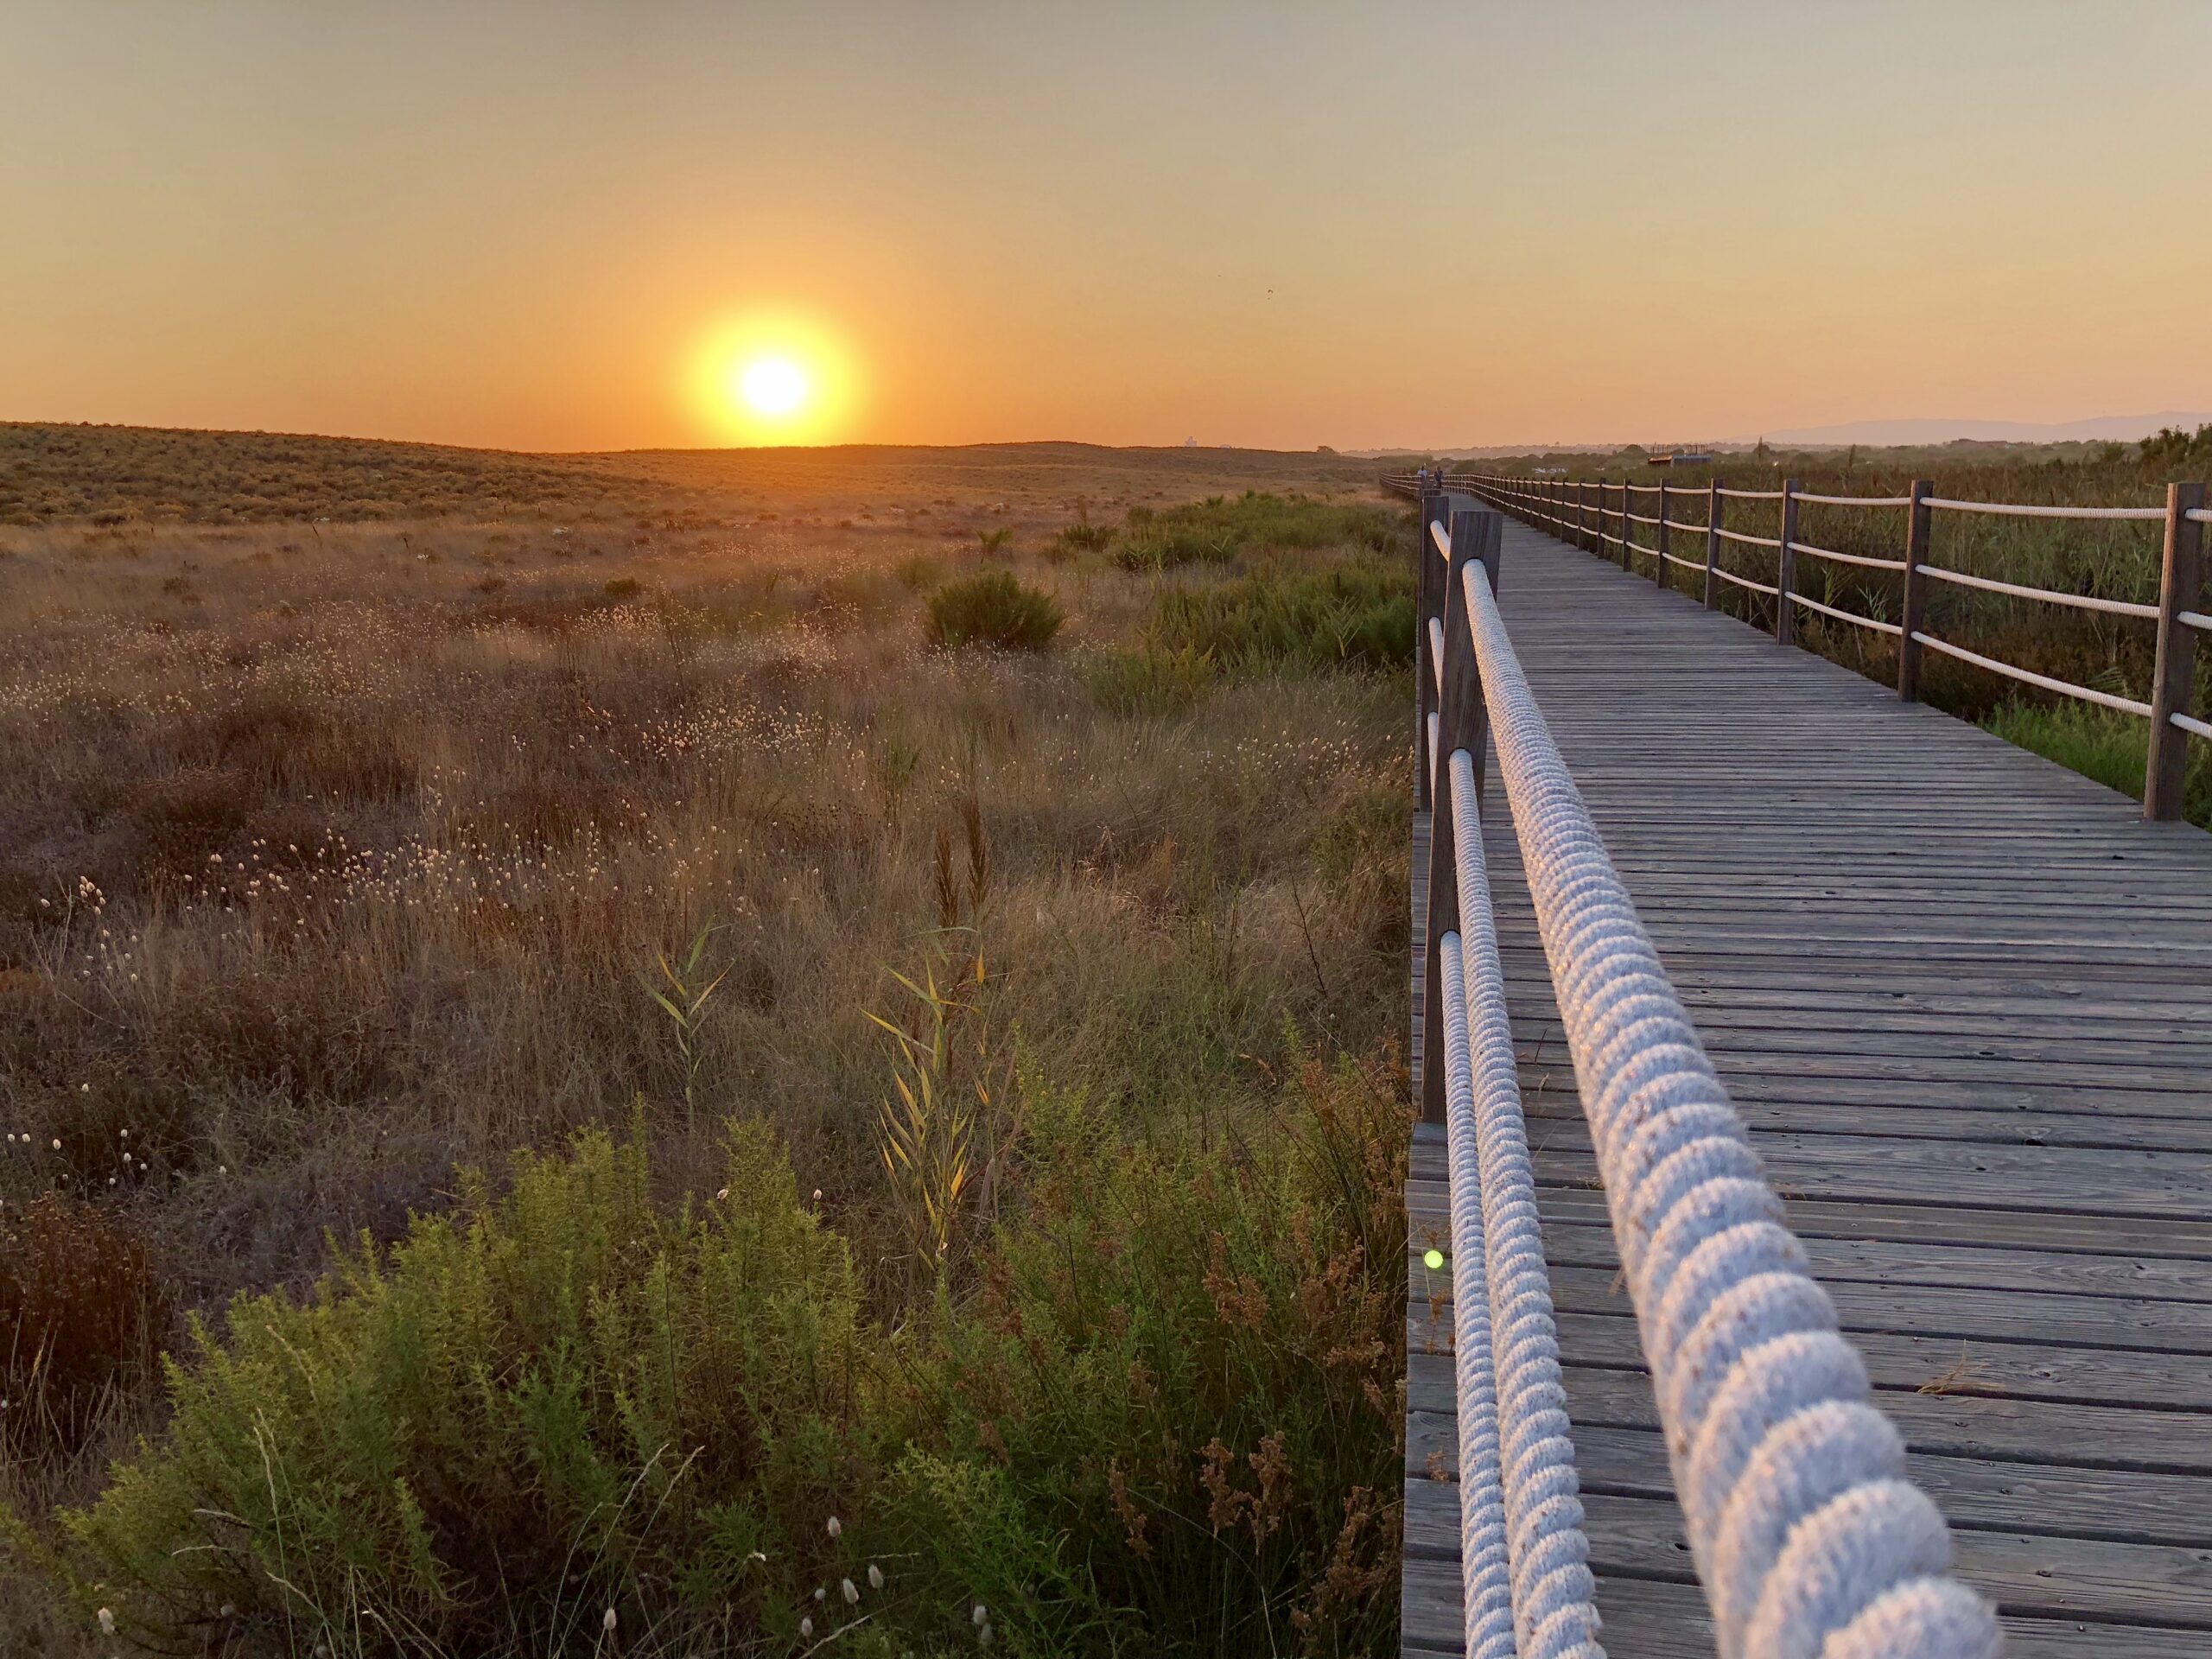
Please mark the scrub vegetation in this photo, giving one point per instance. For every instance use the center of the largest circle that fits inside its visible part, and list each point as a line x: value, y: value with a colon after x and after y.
x: 580, y: 1084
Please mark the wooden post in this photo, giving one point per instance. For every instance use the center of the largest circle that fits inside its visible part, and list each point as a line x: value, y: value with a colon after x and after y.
x: 1476, y: 539
x: 1627, y: 561
x: 1659, y: 574
x: 1785, y: 580
x: 1711, y: 543
x: 1915, y: 590
x: 2181, y: 588
x: 1590, y: 537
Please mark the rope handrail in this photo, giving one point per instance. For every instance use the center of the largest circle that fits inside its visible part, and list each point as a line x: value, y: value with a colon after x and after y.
x: 2191, y: 723
x: 1847, y: 559
x: 1744, y: 581
x: 1753, y: 495
x: 2080, y: 602
x: 1806, y: 1535
x: 2194, y: 619
x: 1856, y: 500
x: 2064, y: 688
x: 1811, y: 604
x: 1493, y: 1187
x: 2023, y: 510
x: 2199, y: 515
x: 1687, y: 530
x: 1727, y: 535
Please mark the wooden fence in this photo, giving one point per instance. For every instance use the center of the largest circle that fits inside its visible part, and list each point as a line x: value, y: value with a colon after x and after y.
x: 1602, y: 517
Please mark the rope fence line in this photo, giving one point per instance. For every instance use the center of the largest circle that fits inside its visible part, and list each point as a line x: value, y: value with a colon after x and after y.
x: 1582, y: 510
x: 1806, y: 1536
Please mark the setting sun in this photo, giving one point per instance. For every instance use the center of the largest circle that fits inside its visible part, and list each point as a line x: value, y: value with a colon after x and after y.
x: 772, y: 386
x: 773, y: 376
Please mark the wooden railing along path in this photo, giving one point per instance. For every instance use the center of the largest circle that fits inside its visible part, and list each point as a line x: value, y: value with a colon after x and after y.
x: 1731, y: 968
x: 1588, y: 511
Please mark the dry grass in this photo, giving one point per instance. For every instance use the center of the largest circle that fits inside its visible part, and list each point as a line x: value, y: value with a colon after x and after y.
x: 342, y: 855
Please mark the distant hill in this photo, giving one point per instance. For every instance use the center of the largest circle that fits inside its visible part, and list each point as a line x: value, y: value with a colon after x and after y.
x: 2116, y: 429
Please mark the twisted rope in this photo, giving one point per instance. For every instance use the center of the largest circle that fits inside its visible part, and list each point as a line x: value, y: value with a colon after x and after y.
x: 1553, y: 1615
x: 1809, y: 1542
x: 1485, y: 1581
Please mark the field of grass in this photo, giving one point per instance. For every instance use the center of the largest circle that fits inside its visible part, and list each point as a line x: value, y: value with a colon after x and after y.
x: 2110, y: 560
x: 596, y: 1047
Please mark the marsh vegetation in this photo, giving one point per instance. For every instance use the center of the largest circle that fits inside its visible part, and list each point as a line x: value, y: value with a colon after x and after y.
x: 656, y: 1098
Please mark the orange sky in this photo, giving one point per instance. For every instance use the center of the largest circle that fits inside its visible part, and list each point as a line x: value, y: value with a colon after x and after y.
x: 1277, y: 224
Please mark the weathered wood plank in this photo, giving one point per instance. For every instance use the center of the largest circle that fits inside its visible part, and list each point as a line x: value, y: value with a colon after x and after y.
x: 1964, y: 1000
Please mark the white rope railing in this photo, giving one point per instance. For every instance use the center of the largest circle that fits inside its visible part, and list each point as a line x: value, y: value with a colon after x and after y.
x: 1553, y: 1615
x: 2079, y: 601
x: 2066, y: 688
x: 1485, y: 1577
x: 2026, y: 510
x: 1847, y: 559
x: 1809, y: 1540
x: 1810, y: 604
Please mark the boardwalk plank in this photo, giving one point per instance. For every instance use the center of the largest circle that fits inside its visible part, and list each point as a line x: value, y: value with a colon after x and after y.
x: 1964, y: 1000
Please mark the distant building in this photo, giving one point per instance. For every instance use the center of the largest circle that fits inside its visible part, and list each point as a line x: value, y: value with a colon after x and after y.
x: 1678, y: 457
x: 1190, y: 443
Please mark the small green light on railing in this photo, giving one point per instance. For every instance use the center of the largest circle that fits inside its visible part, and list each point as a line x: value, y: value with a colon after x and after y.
x: 1433, y: 1259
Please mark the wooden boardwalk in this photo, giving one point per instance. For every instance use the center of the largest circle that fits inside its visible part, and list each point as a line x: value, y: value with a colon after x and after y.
x: 1963, y: 998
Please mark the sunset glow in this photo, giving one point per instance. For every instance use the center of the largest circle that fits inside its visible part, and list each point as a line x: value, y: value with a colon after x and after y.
x: 960, y: 233
x: 775, y: 374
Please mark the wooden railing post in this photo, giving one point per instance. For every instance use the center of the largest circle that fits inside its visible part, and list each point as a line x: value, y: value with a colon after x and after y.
x: 1659, y: 573
x: 1915, y: 590
x: 1461, y: 724
x: 2181, y: 588
x: 1711, y: 543
x: 1785, y: 580
x: 1627, y: 563
x: 1590, y: 535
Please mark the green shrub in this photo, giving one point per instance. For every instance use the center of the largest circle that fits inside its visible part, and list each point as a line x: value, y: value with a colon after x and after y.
x: 544, y: 1406
x: 1170, y: 546
x: 1086, y: 536
x: 992, y: 609
x: 1148, y: 680
x: 1176, y: 1417
x: 1163, y: 1417
x: 1350, y: 616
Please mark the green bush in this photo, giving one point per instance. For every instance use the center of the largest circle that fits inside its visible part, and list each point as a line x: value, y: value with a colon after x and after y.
x: 1221, y: 530
x: 992, y: 609
x: 1148, y: 680
x: 1176, y: 1418
x: 545, y: 1406
x: 1350, y: 616
x: 1163, y: 1418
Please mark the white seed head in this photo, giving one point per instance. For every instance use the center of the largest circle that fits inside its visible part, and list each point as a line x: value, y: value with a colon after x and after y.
x: 850, y: 1592
x: 874, y: 1576
x: 836, y: 1527
x: 981, y: 1615
x: 806, y: 1629
x: 607, y: 1623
